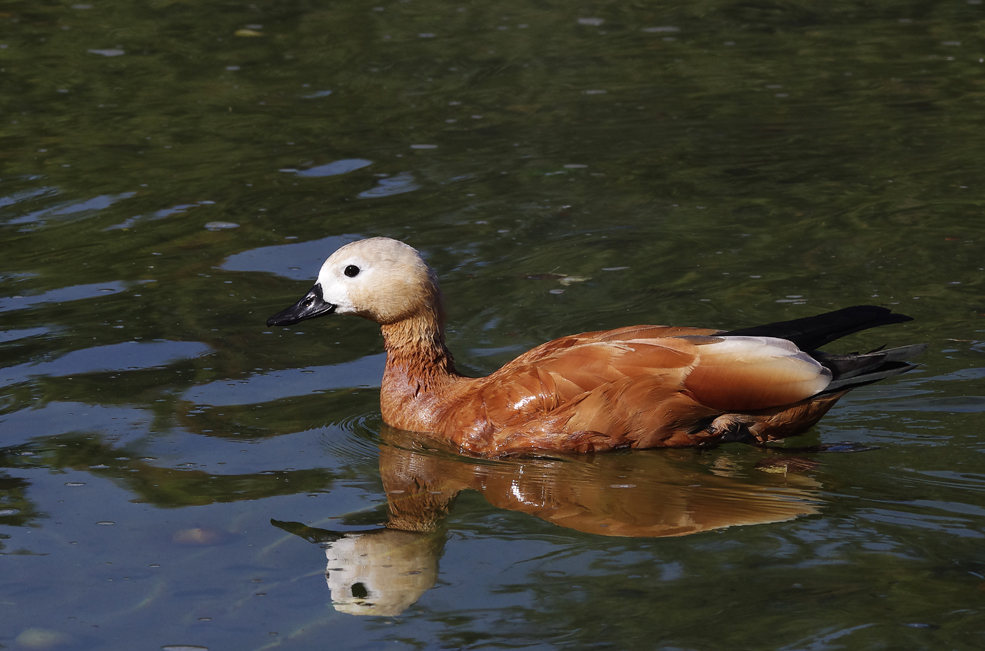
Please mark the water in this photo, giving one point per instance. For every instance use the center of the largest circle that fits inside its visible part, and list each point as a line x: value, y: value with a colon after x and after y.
x: 174, y: 472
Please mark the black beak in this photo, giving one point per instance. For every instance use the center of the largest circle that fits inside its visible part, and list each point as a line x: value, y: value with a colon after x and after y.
x: 309, y: 307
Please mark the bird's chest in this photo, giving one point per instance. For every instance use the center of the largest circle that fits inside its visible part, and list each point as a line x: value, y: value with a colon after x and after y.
x: 415, y: 403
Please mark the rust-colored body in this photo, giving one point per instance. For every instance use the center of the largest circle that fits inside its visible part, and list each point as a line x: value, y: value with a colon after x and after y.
x: 632, y: 387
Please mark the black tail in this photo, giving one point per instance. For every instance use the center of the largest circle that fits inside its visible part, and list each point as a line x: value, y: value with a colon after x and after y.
x: 854, y: 369
x: 812, y: 332
x: 848, y: 370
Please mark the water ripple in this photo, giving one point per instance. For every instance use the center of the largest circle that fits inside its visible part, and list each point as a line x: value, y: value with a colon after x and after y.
x: 61, y: 295
x: 398, y: 184
x: 89, y: 205
x: 332, y: 169
x: 277, y: 385
x: 125, y: 356
x: 297, y: 261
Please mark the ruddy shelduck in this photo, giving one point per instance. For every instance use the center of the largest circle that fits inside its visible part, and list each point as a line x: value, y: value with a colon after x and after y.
x: 640, y: 386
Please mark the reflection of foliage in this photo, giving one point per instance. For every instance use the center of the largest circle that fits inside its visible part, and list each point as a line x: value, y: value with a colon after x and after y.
x: 652, y: 605
x: 172, y: 487
x: 279, y: 417
x: 16, y: 509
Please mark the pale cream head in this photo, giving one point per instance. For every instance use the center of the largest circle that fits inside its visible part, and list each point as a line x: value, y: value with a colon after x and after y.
x: 380, y: 279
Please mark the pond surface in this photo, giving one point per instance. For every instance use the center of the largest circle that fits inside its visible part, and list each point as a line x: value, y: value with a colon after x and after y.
x: 174, y: 474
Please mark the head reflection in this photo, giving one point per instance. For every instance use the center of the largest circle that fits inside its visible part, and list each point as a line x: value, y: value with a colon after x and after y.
x: 381, y: 572
x: 646, y: 494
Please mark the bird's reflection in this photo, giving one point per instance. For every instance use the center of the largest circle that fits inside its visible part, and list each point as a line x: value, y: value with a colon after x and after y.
x: 640, y: 494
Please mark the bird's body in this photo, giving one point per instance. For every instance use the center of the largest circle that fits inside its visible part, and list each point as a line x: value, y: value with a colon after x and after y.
x: 639, y: 386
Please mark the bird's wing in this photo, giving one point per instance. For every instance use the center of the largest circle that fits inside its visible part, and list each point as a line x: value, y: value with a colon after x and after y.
x: 557, y: 347
x: 724, y: 374
x: 520, y: 391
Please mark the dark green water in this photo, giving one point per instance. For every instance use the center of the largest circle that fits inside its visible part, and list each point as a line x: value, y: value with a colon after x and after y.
x: 173, y: 173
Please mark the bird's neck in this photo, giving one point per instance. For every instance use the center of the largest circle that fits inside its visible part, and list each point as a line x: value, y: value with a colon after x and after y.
x: 417, y: 360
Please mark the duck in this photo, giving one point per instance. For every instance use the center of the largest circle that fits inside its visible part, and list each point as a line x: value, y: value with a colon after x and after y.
x: 642, y: 386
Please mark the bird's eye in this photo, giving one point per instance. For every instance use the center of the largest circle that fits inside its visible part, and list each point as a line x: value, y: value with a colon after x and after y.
x: 308, y: 301
x: 351, y: 271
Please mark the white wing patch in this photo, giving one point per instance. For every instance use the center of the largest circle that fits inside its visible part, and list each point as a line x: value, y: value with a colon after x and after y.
x: 755, y: 373
x: 752, y: 349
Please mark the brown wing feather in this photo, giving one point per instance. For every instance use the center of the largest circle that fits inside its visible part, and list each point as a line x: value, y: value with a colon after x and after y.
x: 571, y: 371
x: 649, y: 332
x: 557, y: 346
x: 632, y: 412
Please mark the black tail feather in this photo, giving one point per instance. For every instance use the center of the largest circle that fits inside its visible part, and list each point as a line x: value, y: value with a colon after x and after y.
x: 852, y: 370
x: 848, y: 370
x: 849, y: 365
x: 812, y: 332
x: 886, y: 370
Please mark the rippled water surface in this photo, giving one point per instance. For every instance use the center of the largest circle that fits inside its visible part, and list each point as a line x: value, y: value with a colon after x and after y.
x: 175, y: 474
